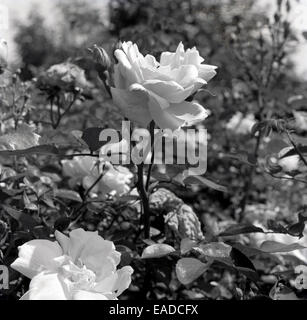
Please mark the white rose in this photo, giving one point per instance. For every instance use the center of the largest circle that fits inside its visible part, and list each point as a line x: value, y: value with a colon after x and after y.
x: 148, y: 90
x: 79, y: 267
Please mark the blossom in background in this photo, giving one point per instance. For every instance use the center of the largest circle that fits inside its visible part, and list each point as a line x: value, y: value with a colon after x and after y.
x: 300, y: 118
x: 79, y: 267
x: 148, y: 90
x: 241, y: 124
x: 66, y: 76
x: 84, y: 169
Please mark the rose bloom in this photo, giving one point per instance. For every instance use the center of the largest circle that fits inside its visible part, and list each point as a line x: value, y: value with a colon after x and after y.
x: 84, y: 169
x: 79, y: 267
x: 148, y: 90
x: 66, y: 75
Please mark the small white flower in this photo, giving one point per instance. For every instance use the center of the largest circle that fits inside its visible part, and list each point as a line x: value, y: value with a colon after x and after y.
x: 115, y: 180
x: 240, y: 124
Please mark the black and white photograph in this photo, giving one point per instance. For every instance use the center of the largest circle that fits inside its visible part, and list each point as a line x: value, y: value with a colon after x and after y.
x: 153, y: 153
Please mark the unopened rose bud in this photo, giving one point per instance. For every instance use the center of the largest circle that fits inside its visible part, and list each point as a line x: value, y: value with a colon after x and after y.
x: 101, y: 57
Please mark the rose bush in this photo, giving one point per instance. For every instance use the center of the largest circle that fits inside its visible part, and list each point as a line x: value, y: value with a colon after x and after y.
x: 146, y: 90
x: 79, y: 267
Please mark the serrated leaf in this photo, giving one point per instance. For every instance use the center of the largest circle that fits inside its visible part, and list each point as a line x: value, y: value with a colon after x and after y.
x: 67, y: 194
x: 189, y: 269
x: 204, y: 181
x: 157, y: 250
x: 240, y: 229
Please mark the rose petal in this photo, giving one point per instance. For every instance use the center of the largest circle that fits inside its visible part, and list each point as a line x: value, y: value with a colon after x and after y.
x: 36, y: 256
x: 169, y: 90
x: 123, y: 280
x: 125, y: 68
x: 100, y: 256
x: 166, y: 58
x: 78, y: 239
x: 97, y: 254
x: 190, y: 112
x: 185, y: 75
x: 206, y: 71
x: 151, y: 61
x: 133, y: 104
x: 162, y: 118
x: 106, y: 284
x: 89, y: 295
x: 192, y: 57
x: 47, y: 286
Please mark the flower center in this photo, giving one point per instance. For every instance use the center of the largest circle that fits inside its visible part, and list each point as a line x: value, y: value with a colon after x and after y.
x: 80, y: 277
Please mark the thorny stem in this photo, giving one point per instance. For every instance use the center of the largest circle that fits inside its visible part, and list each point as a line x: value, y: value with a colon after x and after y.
x: 78, y: 213
x: 55, y: 123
